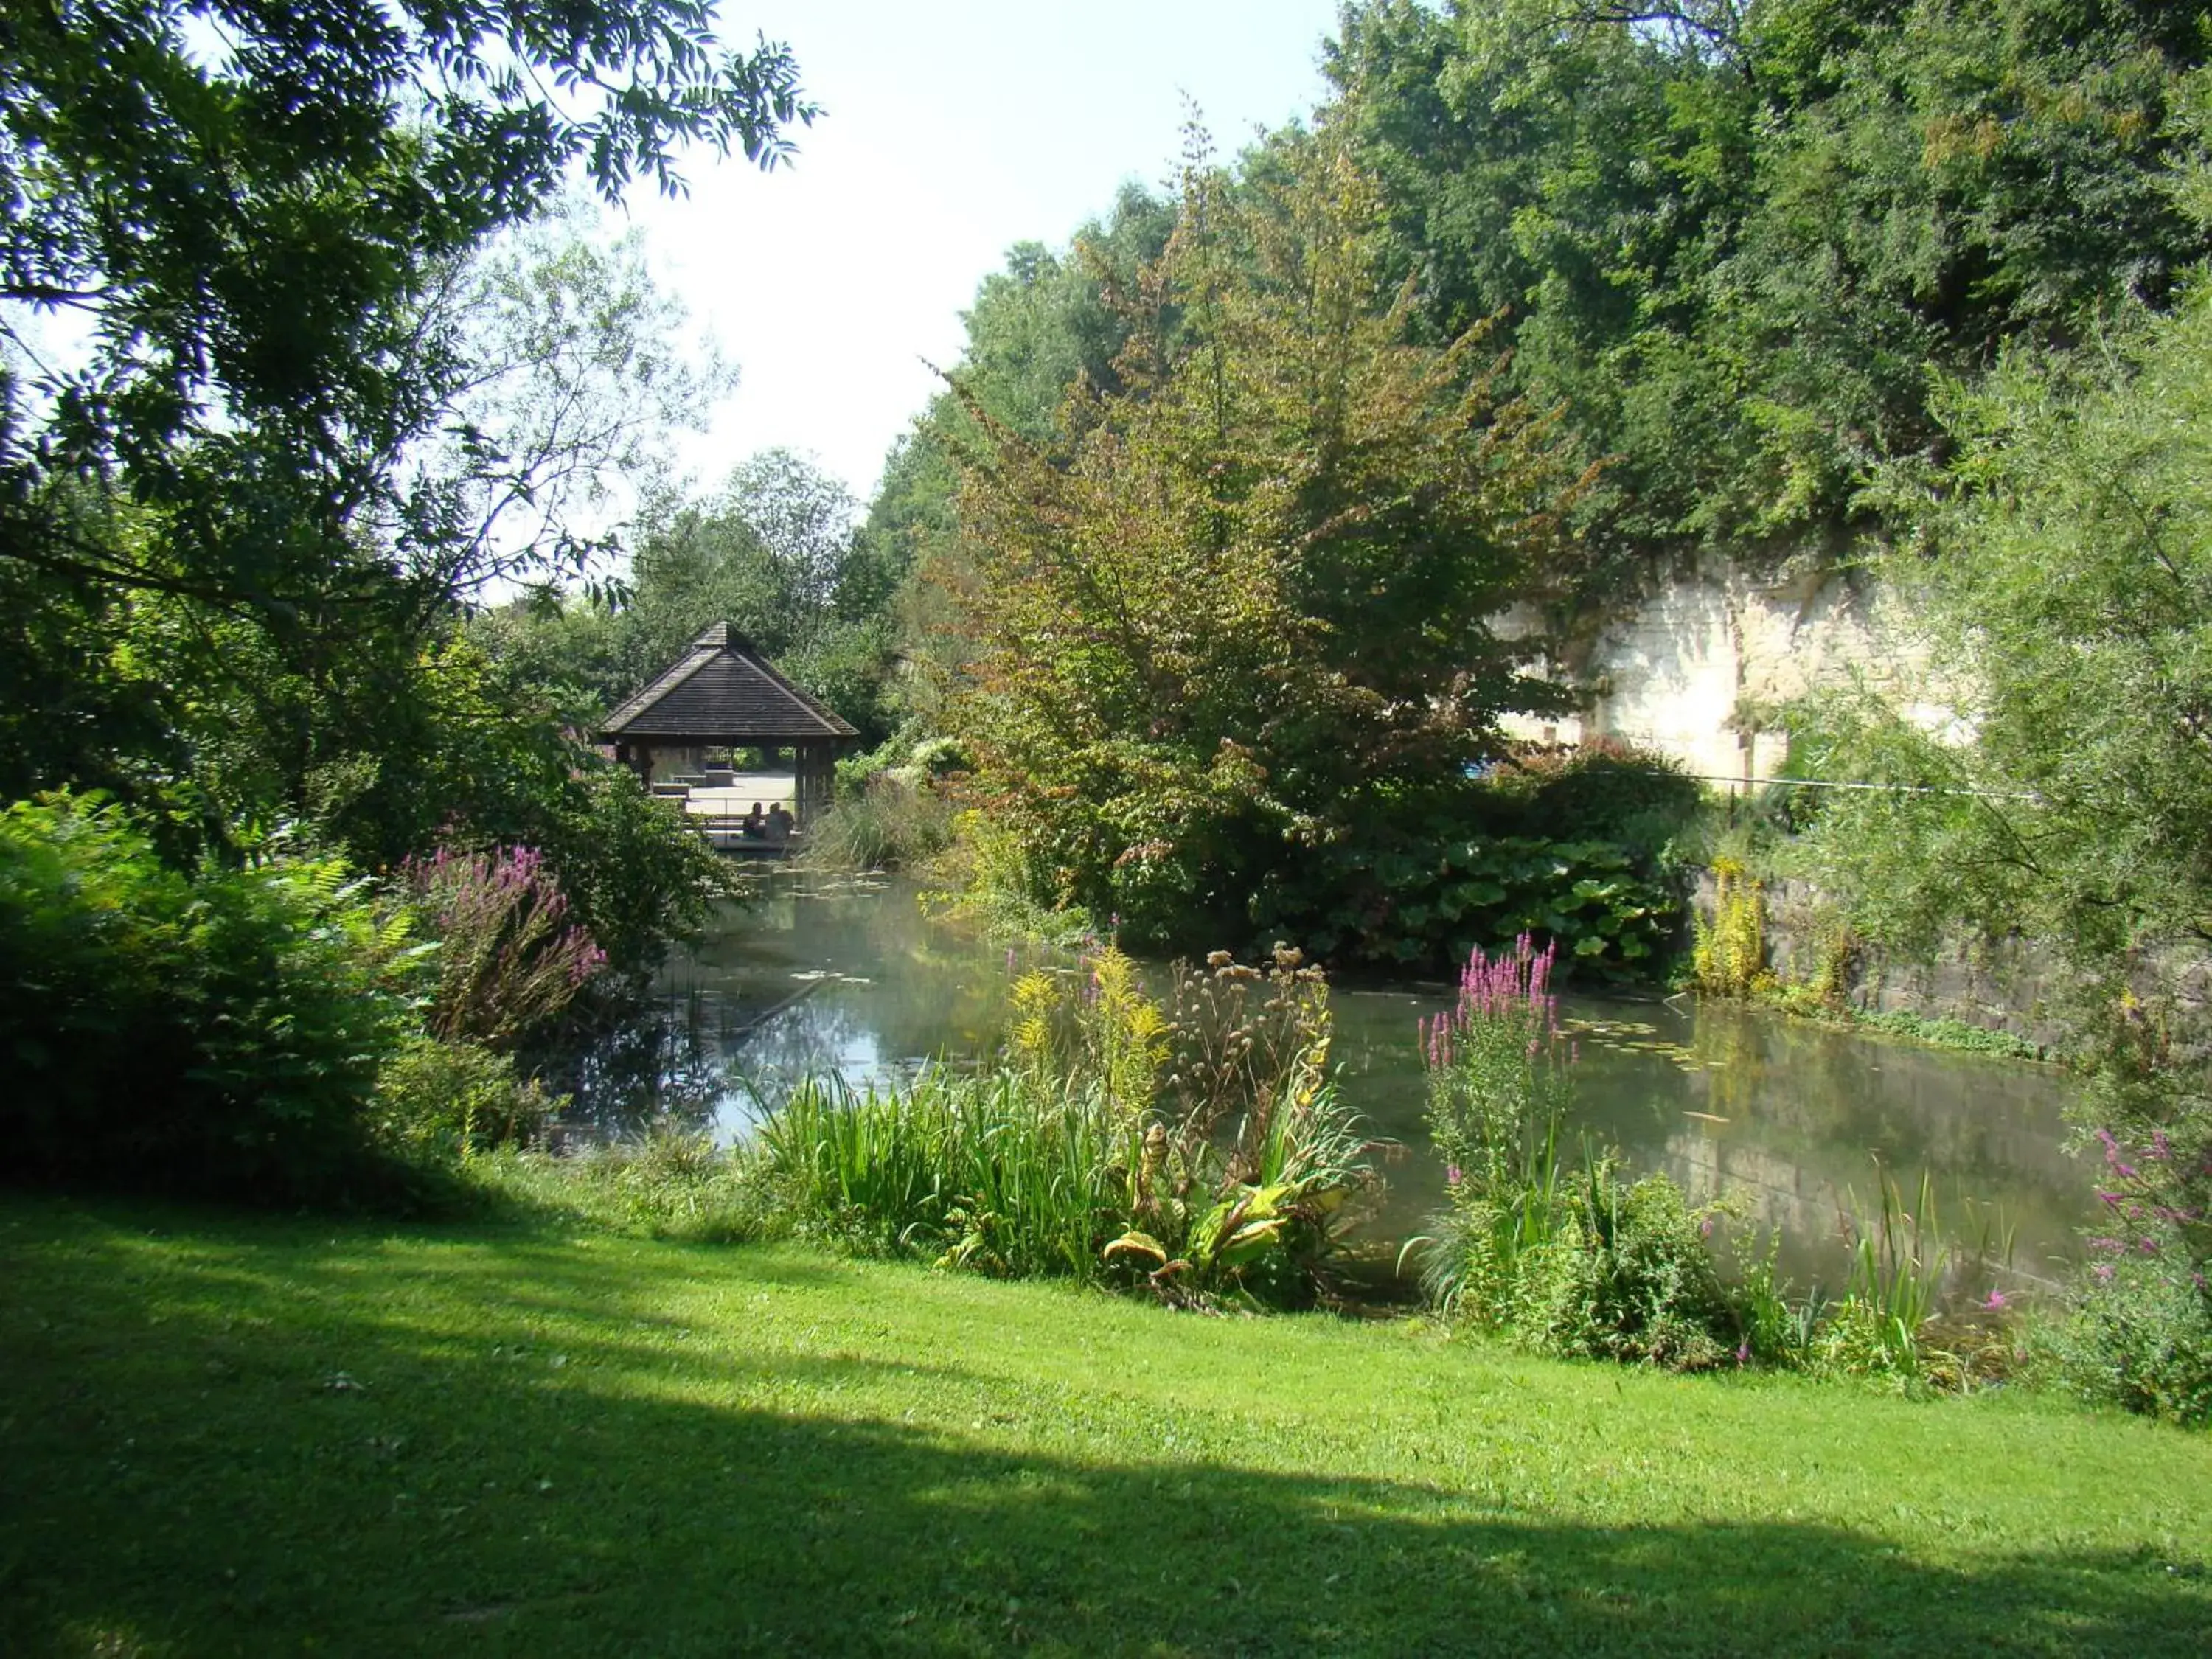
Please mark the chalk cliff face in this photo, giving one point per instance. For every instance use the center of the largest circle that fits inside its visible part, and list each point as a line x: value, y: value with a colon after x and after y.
x: 1701, y: 668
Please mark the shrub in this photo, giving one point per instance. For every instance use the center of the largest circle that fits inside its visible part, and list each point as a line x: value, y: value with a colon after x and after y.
x: 450, y: 1098
x: 2139, y: 1331
x: 214, y: 1028
x: 987, y: 879
x: 636, y: 875
x: 2139, y: 1335
x: 1603, y: 789
x: 1629, y: 1277
x: 1430, y: 899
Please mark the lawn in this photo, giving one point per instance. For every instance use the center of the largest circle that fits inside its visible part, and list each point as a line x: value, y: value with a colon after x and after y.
x: 251, y: 1435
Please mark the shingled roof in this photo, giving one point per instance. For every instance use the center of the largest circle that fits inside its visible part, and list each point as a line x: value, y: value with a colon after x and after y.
x: 723, y: 691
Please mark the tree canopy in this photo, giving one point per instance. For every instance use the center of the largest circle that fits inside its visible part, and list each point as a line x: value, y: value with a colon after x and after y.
x: 1240, y: 597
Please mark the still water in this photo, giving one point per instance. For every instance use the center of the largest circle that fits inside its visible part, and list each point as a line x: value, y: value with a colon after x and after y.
x: 1790, y: 1119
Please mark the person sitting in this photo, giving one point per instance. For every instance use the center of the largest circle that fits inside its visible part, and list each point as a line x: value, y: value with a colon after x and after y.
x: 781, y: 823
x: 754, y: 825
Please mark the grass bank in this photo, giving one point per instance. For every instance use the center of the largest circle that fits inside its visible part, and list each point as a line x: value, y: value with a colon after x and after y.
x: 224, y: 1434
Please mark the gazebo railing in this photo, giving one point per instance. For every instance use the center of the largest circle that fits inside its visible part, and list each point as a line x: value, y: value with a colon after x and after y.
x: 726, y: 833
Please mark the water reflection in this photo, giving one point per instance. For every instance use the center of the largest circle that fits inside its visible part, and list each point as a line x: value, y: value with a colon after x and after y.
x: 1787, y: 1118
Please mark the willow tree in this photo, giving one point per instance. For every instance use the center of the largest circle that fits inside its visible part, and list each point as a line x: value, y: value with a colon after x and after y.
x: 1234, y: 618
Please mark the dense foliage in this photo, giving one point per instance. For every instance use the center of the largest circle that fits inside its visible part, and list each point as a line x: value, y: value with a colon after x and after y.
x: 1712, y: 255
x: 212, y: 1028
x: 265, y: 420
x: 301, y: 352
x: 2065, y: 578
x: 1736, y: 238
x: 1240, y: 606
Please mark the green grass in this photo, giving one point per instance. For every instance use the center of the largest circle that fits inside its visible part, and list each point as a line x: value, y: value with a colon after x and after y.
x: 252, y: 1435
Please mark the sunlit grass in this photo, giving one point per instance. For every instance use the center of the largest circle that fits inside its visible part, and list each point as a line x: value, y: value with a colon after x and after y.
x: 227, y: 1435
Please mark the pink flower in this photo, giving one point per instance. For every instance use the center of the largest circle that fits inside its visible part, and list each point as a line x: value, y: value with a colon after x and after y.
x: 1996, y: 1300
x: 1452, y: 1175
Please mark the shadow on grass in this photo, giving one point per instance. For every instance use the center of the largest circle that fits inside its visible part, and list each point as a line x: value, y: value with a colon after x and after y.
x: 206, y: 1485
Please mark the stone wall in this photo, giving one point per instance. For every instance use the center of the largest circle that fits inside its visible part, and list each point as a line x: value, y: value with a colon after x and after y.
x: 2011, y: 985
x: 1700, y: 668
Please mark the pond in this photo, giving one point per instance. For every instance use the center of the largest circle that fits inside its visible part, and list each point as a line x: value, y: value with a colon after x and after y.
x: 1788, y: 1118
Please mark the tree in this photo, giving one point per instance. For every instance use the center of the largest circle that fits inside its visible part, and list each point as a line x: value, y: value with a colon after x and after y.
x: 244, y: 208
x: 1734, y: 239
x: 580, y: 370
x: 2062, y: 571
x: 238, y: 509
x: 2065, y: 576
x: 1237, y: 608
x: 1049, y: 322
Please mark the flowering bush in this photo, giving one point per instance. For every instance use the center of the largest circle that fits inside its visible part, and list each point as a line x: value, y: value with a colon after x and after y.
x: 1570, y: 1262
x: 509, y: 959
x: 2141, y: 1332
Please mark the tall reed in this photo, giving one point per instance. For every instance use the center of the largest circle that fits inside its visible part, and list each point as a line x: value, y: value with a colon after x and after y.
x: 1065, y: 1158
x: 1898, y: 1265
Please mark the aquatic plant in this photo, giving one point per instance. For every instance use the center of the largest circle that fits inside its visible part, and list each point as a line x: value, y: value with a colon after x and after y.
x: 1498, y: 1090
x: 1775, y: 1329
x: 1728, y: 956
x: 1898, y: 1262
x: 1065, y: 1159
x: 886, y: 824
x: 1565, y: 1257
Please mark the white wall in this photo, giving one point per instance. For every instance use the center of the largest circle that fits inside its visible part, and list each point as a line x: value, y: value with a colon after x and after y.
x: 1701, y: 668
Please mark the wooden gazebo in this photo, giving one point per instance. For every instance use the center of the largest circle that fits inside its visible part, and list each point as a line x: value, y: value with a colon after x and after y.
x: 724, y: 695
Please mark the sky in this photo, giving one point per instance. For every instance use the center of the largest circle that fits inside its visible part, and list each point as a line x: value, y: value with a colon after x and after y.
x: 953, y: 129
